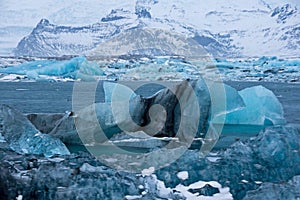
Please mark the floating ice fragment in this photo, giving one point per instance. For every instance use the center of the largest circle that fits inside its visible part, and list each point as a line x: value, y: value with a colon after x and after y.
x: 279, y: 146
x: 19, y: 197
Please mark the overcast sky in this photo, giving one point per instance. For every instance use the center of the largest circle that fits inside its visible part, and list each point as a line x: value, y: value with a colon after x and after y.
x: 29, y: 12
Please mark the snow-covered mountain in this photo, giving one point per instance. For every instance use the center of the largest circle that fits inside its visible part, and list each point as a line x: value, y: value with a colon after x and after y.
x: 51, y: 40
x: 226, y: 28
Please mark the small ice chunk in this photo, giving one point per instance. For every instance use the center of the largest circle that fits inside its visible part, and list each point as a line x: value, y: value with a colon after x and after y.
x: 148, y: 172
x: 187, y: 191
x: 19, y: 197
x: 32, y: 74
x: 132, y: 197
x: 57, y: 160
x: 183, y: 175
x: 141, y: 187
x: 213, y: 159
x: 42, y: 144
x: 163, y: 191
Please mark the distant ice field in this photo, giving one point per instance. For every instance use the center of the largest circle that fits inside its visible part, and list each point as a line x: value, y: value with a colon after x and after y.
x: 160, y: 68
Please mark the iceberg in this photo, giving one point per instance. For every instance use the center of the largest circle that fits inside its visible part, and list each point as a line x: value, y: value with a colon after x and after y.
x: 75, y: 68
x: 263, y: 61
x: 155, y: 68
x: 261, y: 108
x: 178, y: 111
x: 116, y: 90
x: 98, y: 122
x: 214, y: 100
x: 168, y: 109
x: 122, y: 111
x: 24, y: 138
x: 231, y: 101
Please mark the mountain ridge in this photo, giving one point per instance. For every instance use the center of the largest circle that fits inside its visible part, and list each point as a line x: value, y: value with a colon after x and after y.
x: 238, y: 35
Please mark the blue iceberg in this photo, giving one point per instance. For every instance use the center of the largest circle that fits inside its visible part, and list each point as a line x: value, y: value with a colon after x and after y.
x: 75, y: 68
x: 263, y: 61
x: 261, y: 108
x: 116, y: 90
x: 24, y: 138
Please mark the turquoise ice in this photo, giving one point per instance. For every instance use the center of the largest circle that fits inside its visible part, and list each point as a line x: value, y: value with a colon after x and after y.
x: 261, y: 108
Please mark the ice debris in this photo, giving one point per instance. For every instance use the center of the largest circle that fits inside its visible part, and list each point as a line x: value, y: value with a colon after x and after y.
x: 272, y: 156
x: 270, y: 191
x: 245, y: 170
